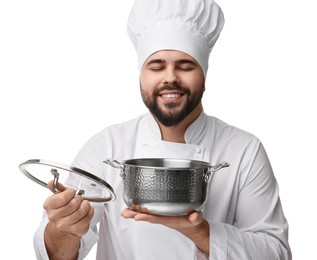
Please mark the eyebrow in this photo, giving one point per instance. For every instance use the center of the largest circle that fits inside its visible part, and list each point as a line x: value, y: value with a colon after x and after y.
x: 185, y: 61
x: 161, y: 61
x: 155, y: 61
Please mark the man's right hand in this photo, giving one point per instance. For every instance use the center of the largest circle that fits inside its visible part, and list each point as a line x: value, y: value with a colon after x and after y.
x: 67, y: 212
x: 69, y: 219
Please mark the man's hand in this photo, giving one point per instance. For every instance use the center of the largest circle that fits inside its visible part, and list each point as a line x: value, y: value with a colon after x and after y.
x: 69, y: 219
x: 69, y: 213
x: 193, y: 225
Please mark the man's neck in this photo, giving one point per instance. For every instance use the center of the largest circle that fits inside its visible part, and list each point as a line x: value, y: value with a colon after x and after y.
x: 177, y: 133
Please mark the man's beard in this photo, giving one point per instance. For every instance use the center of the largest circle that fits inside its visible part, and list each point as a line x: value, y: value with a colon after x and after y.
x: 171, y: 115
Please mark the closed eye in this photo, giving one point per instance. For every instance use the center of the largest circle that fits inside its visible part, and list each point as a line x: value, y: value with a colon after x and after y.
x: 156, y: 64
x: 186, y: 68
x: 186, y: 65
x: 156, y: 68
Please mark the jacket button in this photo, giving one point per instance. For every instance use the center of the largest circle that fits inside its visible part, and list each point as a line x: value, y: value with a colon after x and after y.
x: 197, y: 150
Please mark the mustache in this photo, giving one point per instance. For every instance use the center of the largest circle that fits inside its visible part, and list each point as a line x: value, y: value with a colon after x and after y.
x: 172, y: 87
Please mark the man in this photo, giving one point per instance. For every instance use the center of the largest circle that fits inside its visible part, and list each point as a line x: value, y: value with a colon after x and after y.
x: 242, y: 218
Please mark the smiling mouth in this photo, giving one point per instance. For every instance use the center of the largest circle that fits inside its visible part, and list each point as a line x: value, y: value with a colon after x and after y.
x: 171, y: 95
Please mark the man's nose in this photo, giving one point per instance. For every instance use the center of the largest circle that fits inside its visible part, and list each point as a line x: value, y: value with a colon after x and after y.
x: 171, y: 77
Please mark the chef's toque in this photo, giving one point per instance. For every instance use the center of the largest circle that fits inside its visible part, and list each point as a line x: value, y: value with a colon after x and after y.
x: 190, y: 26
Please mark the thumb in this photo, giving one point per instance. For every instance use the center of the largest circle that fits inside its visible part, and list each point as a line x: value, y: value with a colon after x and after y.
x: 60, y: 187
x: 196, y: 218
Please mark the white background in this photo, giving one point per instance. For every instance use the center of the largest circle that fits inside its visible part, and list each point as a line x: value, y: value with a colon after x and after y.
x: 68, y: 69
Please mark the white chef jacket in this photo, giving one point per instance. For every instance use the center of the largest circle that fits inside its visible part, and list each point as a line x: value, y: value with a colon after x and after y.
x: 243, y: 207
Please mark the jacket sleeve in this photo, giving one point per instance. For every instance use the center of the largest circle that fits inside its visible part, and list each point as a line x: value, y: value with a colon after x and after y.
x: 259, y: 230
x: 91, y: 237
x: 87, y: 241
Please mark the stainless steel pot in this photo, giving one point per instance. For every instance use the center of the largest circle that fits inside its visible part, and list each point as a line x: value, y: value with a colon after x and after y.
x: 165, y: 186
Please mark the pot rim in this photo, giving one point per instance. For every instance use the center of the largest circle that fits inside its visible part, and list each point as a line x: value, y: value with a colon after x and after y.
x: 166, y: 163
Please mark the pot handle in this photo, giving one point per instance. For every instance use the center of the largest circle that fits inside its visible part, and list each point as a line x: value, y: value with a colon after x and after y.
x: 218, y: 166
x: 115, y: 164
x: 215, y: 168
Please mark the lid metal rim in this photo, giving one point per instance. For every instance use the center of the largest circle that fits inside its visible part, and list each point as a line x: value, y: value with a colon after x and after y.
x: 75, y: 170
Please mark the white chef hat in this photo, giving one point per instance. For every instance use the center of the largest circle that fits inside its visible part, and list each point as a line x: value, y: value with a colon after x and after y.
x: 190, y: 26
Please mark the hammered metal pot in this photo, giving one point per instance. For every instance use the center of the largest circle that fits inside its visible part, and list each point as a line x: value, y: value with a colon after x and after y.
x: 165, y: 186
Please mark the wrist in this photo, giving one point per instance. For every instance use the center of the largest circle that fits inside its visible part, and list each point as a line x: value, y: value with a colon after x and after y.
x: 55, y: 241
x: 199, y: 235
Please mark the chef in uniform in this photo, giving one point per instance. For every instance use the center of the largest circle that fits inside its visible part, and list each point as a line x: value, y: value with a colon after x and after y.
x: 242, y: 218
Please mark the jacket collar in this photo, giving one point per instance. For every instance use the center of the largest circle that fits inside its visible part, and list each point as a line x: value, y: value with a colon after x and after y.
x: 194, y: 133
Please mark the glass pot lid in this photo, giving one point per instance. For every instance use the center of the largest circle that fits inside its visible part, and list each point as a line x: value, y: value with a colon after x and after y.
x: 87, y: 185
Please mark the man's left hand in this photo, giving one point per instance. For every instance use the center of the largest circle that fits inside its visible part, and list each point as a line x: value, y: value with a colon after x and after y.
x: 193, y: 225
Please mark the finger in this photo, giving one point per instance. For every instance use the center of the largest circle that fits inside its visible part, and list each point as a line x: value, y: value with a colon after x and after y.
x: 138, y: 208
x: 196, y: 218
x: 72, y: 206
x: 77, y: 223
x: 81, y: 227
x: 81, y: 212
x: 154, y: 219
x: 59, y: 199
x: 60, y: 186
x: 128, y: 213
